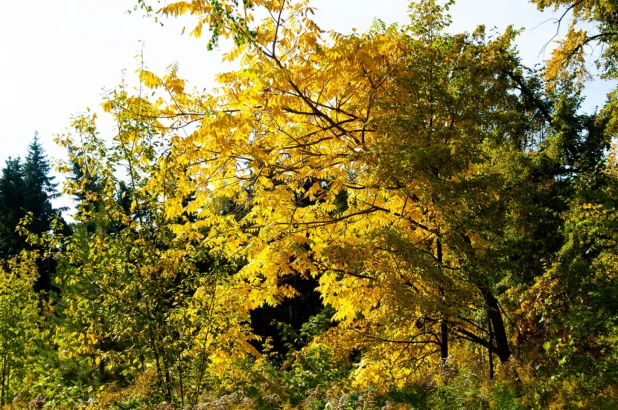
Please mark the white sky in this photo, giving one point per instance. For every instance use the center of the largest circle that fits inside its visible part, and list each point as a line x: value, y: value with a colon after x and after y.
x: 57, y: 55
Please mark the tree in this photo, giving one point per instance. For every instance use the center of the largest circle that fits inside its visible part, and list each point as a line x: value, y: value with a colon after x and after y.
x: 39, y: 187
x: 27, y: 188
x: 417, y: 130
x: 12, y: 202
x: 38, y: 191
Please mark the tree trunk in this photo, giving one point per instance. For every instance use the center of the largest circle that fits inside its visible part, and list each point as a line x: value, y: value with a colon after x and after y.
x: 443, y: 322
x: 443, y: 340
x: 497, y: 325
x: 490, y: 348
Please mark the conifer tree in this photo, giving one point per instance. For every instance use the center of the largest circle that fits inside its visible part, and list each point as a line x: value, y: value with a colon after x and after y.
x: 12, y: 205
x: 39, y: 187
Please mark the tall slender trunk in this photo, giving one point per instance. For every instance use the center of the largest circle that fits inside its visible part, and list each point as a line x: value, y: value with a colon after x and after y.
x: 443, y: 322
x: 490, y: 350
x: 443, y: 340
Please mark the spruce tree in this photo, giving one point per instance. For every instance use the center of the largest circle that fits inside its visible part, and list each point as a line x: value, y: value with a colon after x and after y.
x: 12, y: 206
x: 39, y: 188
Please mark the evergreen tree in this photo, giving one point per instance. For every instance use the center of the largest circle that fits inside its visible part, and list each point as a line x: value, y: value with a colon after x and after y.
x: 25, y: 188
x: 39, y: 188
x: 12, y: 205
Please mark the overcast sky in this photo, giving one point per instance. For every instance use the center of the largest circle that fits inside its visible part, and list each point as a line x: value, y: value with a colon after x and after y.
x: 57, y: 55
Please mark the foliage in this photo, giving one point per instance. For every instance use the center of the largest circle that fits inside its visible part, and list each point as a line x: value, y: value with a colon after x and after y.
x: 401, y: 265
x: 443, y: 216
x: 223, y: 18
x: 19, y: 326
x: 593, y: 22
x: 134, y: 298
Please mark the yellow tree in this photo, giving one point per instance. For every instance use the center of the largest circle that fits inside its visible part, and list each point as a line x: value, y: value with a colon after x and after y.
x: 370, y: 161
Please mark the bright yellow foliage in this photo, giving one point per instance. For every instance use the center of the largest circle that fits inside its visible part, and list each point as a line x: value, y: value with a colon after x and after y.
x: 357, y: 159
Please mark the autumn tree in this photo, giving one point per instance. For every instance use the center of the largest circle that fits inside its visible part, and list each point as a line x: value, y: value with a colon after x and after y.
x: 415, y: 128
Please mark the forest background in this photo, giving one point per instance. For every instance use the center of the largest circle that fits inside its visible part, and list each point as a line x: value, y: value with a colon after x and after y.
x: 407, y: 217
